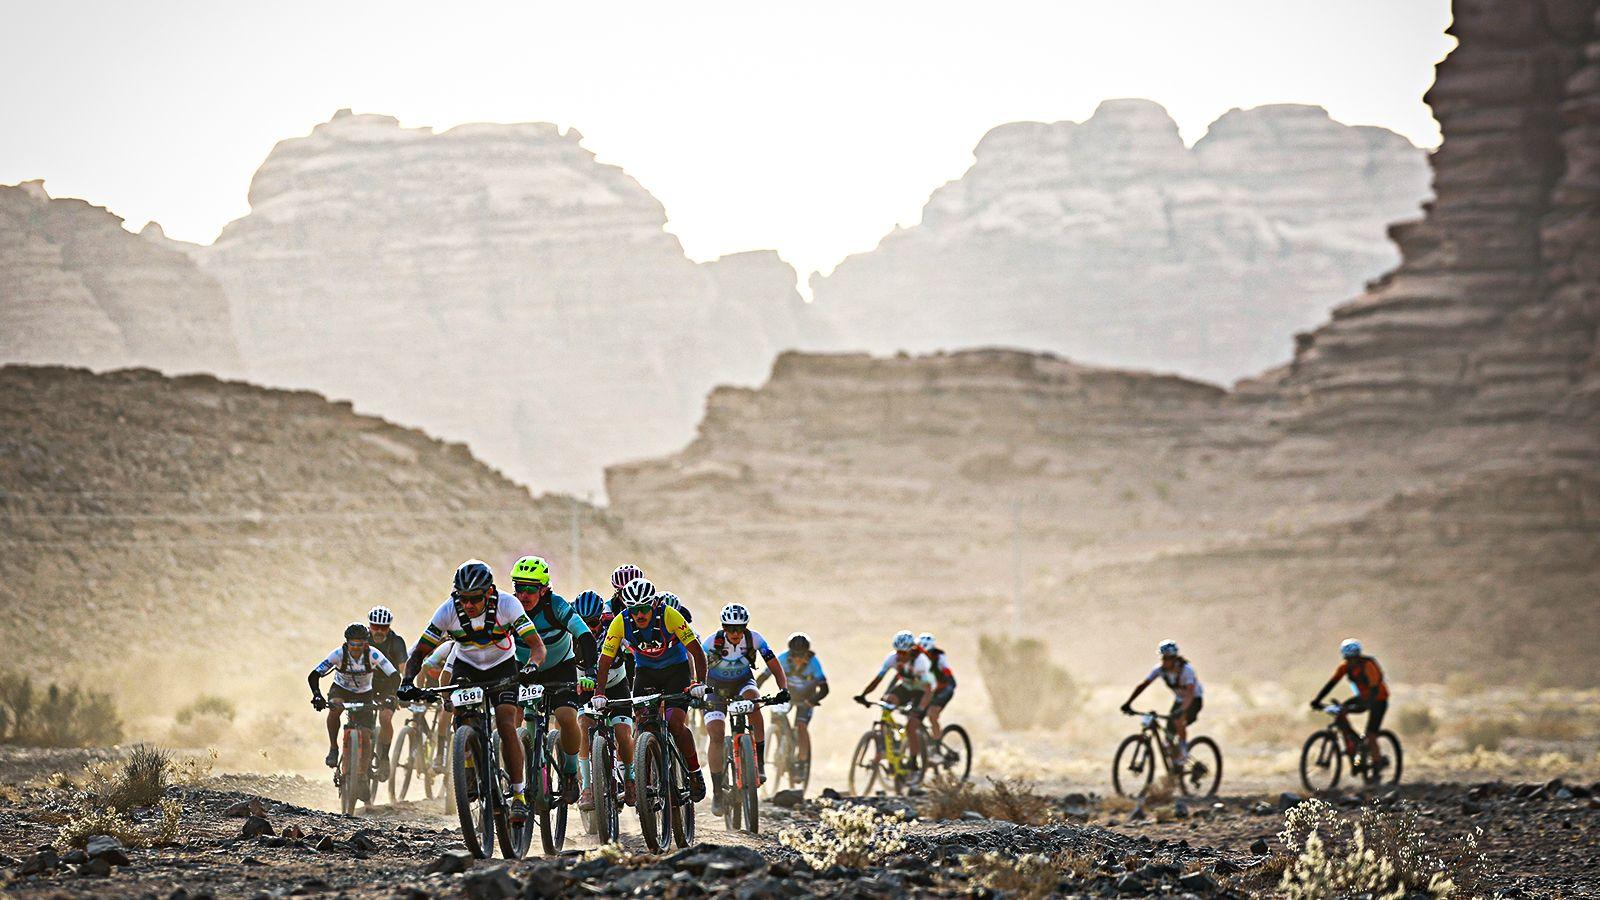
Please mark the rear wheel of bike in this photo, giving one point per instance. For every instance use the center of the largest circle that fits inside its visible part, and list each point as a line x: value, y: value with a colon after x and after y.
x: 404, y: 757
x: 1134, y: 766
x: 1203, y: 772
x: 732, y: 809
x: 600, y: 786
x: 865, y: 764
x: 1321, y: 762
x: 651, y: 800
x: 680, y: 812
x: 1393, y: 759
x: 953, y: 753
x: 780, y: 749
x: 473, y: 807
x: 559, y: 808
x: 749, y: 792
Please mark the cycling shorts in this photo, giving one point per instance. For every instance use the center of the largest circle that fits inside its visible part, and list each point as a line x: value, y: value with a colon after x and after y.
x: 803, y: 712
x: 671, y: 679
x: 720, y: 694
x: 904, y: 694
x: 942, y: 695
x: 361, y: 718
x: 467, y: 674
x: 1375, y: 710
x: 1194, y: 709
x: 560, y: 684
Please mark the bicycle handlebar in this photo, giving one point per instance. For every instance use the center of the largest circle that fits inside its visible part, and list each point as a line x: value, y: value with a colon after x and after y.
x: 1134, y: 712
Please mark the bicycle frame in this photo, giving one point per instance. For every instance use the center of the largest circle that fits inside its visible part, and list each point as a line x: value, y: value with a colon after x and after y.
x: 1161, y: 737
x: 650, y: 720
x: 896, y: 742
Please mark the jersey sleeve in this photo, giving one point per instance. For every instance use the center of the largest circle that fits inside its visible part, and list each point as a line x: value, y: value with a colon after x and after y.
x: 678, y: 627
x: 1342, y: 672
x: 1154, y: 674
x: 816, y: 669
x: 329, y: 664
x: 438, y: 627
x: 888, y: 663
x: 576, y: 626
x: 381, y: 662
x: 765, y: 649
x: 613, y: 641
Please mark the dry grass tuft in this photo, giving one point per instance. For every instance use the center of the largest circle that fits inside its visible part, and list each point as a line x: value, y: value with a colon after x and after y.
x: 1027, y: 877
x: 1013, y: 800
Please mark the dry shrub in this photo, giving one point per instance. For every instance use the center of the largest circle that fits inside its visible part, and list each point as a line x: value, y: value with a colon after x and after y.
x: 90, y: 822
x: 203, y: 722
x: 1049, y: 694
x: 847, y: 835
x: 1417, y: 722
x: 192, y: 771
x: 55, y: 716
x: 1382, y: 855
x: 1013, y: 800
x: 1485, y: 732
x: 1030, y: 876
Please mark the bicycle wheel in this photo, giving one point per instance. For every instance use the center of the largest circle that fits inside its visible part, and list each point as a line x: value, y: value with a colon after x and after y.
x: 400, y: 774
x: 349, y: 766
x: 732, y: 780
x: 600, y: 786
x: 652, y: 800
x: 1203, y: 773
x: 1134, y: 765
x: 865, y: 765
x: 560, y: 808
x: 1393, y: 758
x: 780, y: 749
x: 680, y: 812
x: 472, y: 805
x: 749, y: 789
x: 954, y: 752
x: 498, y: 788
x: 1321, y: 761
x: 424, y: 759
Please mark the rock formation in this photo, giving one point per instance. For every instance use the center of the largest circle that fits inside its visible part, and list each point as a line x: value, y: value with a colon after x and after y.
x: 75, y: 287
x: 492, y: 283
x: 1113, y: 243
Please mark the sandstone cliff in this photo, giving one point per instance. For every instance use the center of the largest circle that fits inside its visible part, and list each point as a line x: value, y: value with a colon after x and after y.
x: 495, y: 284
x: 75, y: 287
x: 1112, y: 242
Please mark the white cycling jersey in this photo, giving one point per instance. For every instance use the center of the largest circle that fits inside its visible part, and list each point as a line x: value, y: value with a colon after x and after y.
x: 1178, y: 680
x: 915, y: 672
x: 354, y: 674
x: 476, y: 645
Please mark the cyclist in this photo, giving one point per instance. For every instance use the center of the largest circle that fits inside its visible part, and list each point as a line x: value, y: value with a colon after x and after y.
x: 944, y: 683
x: 1371, y: 693
x: 807, y: 686
x: 486, y: 624
x: 668, y: 598
x: 568, y: 643
x: 730, y: 674
x: 1186, y: 689
x: 591, y: 607
x: 352, y: 664
x: 667, y: 658
x: 393, y: 647
x: 912, y: 687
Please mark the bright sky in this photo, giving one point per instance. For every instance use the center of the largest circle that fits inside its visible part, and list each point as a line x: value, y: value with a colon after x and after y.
x: 812, y: 127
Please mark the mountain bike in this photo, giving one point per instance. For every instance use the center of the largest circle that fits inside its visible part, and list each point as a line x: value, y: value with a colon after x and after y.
x: 357, y: 775
x: 884, y: 751
x: 661, y: 777
x: 783, y: 748
x: 1134, y: 766
x: 607, y: 774
x: 413, y: 753
x: 741, y: 770
x: 542, y: 756
x: 1322, y: 758
x: 482, y: 788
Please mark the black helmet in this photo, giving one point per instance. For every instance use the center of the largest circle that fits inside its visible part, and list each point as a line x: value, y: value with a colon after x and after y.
x: 356, y: 631
x: 799, y: 641
x: 473, y: 575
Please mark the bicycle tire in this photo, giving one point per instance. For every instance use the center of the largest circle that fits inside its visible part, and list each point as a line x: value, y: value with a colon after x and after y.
x: 780, y: 749
x: 650, y: 793
x: 1328, y: 755
x: 349, y: 790
x: 1394, y: 757
x: 400, y: 773
x: 501, y: 812
x: 749, y: 791
x: 962, y: 749
x: 680, y: 807
x: 558, y: 836
x: 1213, y: 779
x: 1141, y: 766
x: 732, y: 813
x: 466, y: 757
x: 605, y: 809
x: 865, y: 762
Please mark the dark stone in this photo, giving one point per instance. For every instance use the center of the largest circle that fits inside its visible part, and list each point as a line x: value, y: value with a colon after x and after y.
x: 1180, y: 809
x: 362, y: 842
x: 1469, y: 808
x: 451, y: 862
x: 1260, y: 847
x: 1131, y: 885
x: 96, y: 867
x: 1288, y: 800
x: 104, y: 846
x: 75, y: 857
x: 831, y: 794
x: 547, y: 882
x: 255, y: 826
x: 1199, y: 882
x: 252, y: 861
x: 490, y: 884
x: 720, y: 861
x: 1226, y: 867
x: 649, y: 879
x: 326, y: 844
x: 839, y: 873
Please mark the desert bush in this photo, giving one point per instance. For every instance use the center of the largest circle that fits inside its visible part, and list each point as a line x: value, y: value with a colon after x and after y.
x: 1417, y: 722
x: 194, y: 770
x: 203, y: 722
x: 1048, y: 696
x: 847, y: 835
x: 55, y: 716
x: 1384, y: 854
x: 89, y: 822
x: 131, y: 783
x: 1029, y: 876
x: 1485, y: 732
x: 1012, y: 800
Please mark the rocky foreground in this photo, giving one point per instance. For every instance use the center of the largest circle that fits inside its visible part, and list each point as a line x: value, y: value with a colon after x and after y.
x: 1533, y: 840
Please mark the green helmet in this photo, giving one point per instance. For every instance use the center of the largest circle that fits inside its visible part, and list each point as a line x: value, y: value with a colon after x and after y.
x: 531, y: 568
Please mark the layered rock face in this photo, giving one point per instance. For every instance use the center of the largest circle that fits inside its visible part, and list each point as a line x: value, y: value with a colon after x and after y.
x: 1112, y: 242
x: 181, y: 509
x: 492, y: 283
x: 75, y: 287
x: 1492, y: 314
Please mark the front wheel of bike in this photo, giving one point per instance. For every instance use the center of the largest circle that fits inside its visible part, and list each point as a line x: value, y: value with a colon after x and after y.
x: 652, y: 799
x: 1203, y: 771
x: 953, y: 753
x: 473, y: 808
x: 1134, y: 766
x: 865, y: 764
x: 1321, y: 762
x: 601, y: 788
x: 749, y: 791
x: 680, y: 808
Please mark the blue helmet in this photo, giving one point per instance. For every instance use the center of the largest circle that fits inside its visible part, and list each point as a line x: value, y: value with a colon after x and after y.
x: 589, y: 605
x: 473, y: 575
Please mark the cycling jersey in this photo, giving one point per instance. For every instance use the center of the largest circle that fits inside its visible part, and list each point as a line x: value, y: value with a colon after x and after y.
x: 1179, y: 679
x: 559, y: 625
x: 481, y: 643
x: 437, y: 667
x: 618, y: 674
x: 354, y: 673
x: 915, y: 670
x: 730, y: 663
x: 943, y: 675
x: 1366, y: 678
x: 660, y: 644
x: 393, y: 647
x: 803, y: 677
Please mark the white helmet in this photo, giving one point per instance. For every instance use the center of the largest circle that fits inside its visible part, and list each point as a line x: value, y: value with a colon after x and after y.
x: 1350, y: 648
x: 1169, y: 647
x: 380, y: 615
x: 638, y: 592
x: 905, y: 640
x: 734, y: 614
x: 925, y: 640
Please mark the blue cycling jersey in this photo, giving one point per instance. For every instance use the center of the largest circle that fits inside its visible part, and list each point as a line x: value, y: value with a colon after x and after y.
x: 805, y: 677
x: 558, y: 625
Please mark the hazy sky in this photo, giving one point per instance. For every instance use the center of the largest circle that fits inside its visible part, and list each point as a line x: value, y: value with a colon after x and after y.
x: 812, y: 127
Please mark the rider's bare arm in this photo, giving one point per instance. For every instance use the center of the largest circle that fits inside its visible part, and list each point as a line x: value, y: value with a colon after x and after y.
x: 776, y: 668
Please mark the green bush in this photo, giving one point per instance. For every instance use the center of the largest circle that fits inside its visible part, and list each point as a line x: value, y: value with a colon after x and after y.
x: 1048, y: 695
x: 55, y: 716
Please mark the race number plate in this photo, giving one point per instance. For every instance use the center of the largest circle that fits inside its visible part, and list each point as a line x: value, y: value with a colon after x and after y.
x: 466, y: 696
x: 529, y: 693
x: 741, y: 707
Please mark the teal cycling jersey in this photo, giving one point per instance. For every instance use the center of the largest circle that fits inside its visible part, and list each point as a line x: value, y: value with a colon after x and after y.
x: 802, y: 676
x: 558, y: 625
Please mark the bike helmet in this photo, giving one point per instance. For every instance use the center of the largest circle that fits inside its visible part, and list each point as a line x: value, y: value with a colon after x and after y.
x: 473, y: 575
x: 668, y: 598
x: 531, y: 568
x: 1169, y: 647
x: 623, y: 574
x: 380, y: 615
x: 589, y: 605
x: 799, y: 641
x: 905, y: 640
x: 356, y: 631
x: 734, y: 614
x: 925, y: 640
x: 638, y: 592
x: 1350, y: 648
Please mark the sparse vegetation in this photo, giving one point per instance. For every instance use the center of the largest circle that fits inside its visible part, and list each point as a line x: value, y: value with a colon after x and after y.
x: 1050, y: 694
x: 53, y: 715
x: 1028, y: 877
x: 1012, y: 800
x: 847, y: 835
x: 108, y: 792
x: 1383, y: 854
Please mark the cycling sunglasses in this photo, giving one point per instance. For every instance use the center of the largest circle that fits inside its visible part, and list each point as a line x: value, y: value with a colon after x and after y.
x: 471, y: 596
x: 528, y: 587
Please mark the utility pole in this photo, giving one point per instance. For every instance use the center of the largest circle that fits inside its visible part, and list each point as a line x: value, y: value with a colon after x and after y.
x: 576, y: 546
x: 1016, y: 567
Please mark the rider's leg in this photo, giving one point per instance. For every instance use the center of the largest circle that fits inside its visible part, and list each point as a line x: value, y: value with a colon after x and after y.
x: 333, y: 728
x: 718, y: 731
x: 507, y: 716
x: 1374, y: 724
x: 802, y: 731
x: 624, y: 736
x: 935, y: 730
x: 385, y: 731
x: 572, y: 741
